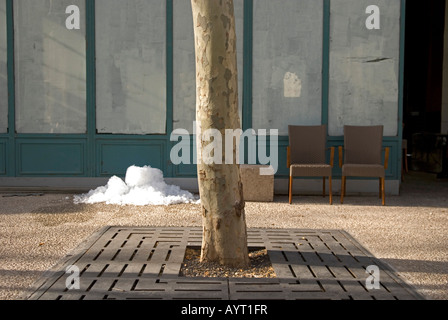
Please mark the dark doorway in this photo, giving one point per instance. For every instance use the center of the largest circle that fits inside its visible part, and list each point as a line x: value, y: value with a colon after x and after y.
x: 422, y: 109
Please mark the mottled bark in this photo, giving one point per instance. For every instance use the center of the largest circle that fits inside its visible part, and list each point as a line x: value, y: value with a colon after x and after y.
x: 224, y: 223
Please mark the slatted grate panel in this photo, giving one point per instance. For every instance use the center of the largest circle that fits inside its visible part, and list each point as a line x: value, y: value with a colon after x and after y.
x: 144, y: 263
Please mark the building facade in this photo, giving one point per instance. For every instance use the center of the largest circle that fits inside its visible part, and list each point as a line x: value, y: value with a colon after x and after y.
x: 91, y: 87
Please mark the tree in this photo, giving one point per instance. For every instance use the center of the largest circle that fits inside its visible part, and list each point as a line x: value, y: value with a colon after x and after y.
x: 220, y: 187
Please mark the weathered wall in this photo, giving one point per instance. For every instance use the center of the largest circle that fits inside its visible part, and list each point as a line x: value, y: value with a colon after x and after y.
x: 50, y: 68
x: 131, y: 66
x: 364, y: 66
x: 129, y: 53
x: 287, y: 60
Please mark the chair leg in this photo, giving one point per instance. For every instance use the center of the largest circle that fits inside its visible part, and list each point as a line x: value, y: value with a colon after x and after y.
x: 330, y: 190
x: 383, y: 191
x: 343, y: 189
x: 290, y: 189
x: 323, y: 190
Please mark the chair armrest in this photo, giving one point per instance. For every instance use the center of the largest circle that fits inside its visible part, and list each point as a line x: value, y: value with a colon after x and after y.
x: 340, y: 156
x: 386, y: 157
x: 288, y: 157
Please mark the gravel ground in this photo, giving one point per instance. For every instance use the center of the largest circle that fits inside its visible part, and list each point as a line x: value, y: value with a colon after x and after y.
x: 410, y: 233
x: 259, y: 266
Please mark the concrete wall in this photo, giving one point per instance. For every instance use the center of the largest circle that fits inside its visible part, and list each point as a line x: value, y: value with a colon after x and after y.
x: 131, y: 66
x: 287, y: 62
x: 286, y: 75
x: 364, y: 66
x: 50, y: 68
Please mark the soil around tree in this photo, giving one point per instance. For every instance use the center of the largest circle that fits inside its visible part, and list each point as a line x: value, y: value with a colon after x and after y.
x: 260, y: 266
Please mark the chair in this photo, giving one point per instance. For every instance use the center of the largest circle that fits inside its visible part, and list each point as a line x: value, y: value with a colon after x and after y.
x: 362, y: 156
x: 306, y: 155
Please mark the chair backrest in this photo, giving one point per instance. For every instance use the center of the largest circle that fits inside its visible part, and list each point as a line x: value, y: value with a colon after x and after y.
x: 363, y: 144
x: 308, y: 144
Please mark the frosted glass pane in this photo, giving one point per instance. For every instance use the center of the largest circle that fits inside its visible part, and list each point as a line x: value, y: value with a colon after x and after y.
x: 184, y: 62
x: 3, y: 70
x: 364, y: 66
x: 50, y: 68
x: 131, y: 66
x: 287, y: 63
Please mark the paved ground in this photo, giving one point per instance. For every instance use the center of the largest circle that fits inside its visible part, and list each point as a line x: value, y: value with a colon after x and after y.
x: 134, y: 263
x: 410, y: 233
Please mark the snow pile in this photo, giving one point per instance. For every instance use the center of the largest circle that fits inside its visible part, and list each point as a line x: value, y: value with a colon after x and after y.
x: 142, y: 186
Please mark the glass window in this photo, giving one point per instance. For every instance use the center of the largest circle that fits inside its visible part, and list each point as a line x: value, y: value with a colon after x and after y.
x: 131, y: 66
x: 287, y: 64
x: 50, y: 67
x: 185, y: 67
x: 3, y: 70
x: 364, y: 64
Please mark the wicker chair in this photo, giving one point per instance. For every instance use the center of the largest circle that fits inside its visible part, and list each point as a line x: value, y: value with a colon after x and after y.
x: 362, y: 156
x: 307, y: 155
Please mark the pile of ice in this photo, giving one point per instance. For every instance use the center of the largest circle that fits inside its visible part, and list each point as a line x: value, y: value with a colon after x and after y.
x: 142, y: 186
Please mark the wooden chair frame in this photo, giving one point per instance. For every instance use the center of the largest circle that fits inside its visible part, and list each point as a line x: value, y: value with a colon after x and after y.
x: 382, y: 181
x: 291, y: 178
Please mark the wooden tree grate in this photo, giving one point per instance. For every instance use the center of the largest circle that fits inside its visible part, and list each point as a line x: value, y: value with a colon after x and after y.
x: 130, y: 263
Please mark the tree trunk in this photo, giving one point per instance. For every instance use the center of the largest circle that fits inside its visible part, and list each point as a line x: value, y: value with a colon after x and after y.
x: 224, y: 222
